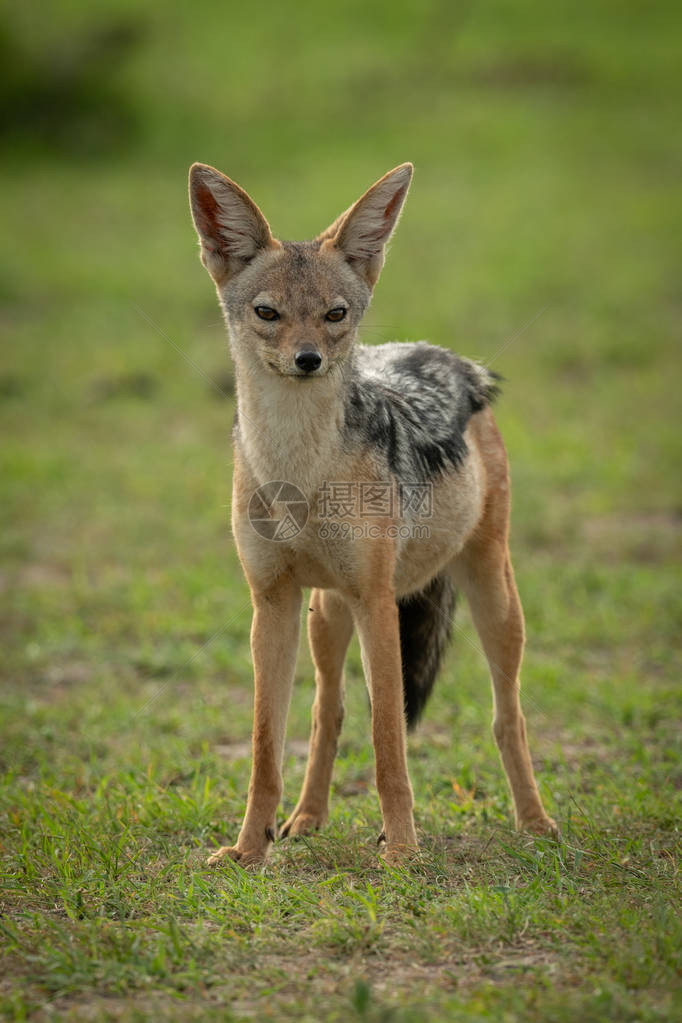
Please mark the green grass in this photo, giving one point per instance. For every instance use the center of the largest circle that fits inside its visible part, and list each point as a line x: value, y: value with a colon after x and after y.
x: 541, y: 235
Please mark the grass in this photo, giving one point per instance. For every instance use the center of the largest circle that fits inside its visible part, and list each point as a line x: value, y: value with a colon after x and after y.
x: 541, y: 235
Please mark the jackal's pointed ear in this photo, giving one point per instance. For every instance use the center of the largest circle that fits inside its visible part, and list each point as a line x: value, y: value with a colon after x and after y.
x: 361, y: 233
x: 231, y: 228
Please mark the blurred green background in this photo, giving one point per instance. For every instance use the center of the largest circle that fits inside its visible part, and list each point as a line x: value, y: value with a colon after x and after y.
x: 542, y: 236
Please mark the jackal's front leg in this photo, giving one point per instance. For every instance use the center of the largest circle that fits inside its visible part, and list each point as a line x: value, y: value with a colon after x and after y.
x: 274, y: 644
x: 379, y: 632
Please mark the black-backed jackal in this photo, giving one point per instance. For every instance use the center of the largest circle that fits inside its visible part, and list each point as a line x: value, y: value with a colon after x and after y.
x: 374, y: 475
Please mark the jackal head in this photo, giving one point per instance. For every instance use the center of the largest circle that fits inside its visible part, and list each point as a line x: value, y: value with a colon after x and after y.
x: 292, y: 308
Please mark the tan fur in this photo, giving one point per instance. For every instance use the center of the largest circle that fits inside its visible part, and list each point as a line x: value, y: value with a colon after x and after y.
x: 484, y: 572
x: 376, y: 618
x: 286, y: 433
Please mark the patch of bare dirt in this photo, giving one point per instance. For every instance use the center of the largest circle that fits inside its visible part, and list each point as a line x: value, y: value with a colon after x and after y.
x: 242, y: 750
x: 647, y: 537
x: 33, y: 576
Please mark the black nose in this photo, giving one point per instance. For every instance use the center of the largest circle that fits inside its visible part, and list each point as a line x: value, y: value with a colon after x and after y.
x: 308, y: 360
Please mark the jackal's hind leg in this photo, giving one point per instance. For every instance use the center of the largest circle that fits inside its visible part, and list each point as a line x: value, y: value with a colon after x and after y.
x: 330, y: 627
x: 485, y: 573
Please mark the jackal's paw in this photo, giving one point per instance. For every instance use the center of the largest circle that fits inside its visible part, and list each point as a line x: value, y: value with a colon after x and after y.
x: 544, y: 826
x: 301, y: 823
x: 401, y: 855
x: 398, y: 855
x: 244, y: 857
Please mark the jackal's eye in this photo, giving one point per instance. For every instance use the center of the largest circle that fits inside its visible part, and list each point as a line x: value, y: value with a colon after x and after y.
x: 336, y: 315
x: 266, y: 313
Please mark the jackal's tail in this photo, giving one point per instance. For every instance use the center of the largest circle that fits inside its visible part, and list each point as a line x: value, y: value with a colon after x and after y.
x: 425, y: 629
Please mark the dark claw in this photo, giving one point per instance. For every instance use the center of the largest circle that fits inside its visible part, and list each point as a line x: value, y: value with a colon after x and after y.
x: 381, y: 838
x: 270, y: 834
